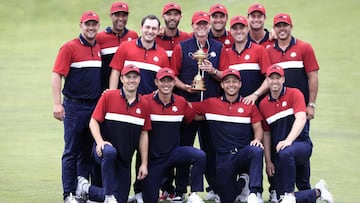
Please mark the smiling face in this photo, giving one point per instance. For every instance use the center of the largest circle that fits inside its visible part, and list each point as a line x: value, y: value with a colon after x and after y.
x: 119, y: 21
x: 231, y: 85
x: 218, y: 21
x: 172, y: 19
x: 283, y: 31
x: 276, y: 82
x: 89, y: 29
x: 165, y: 85
x: 201, y: 29
x: 149, y: 30
x: 239, y: 32
x: 130, y: 81
x: 256, y: 20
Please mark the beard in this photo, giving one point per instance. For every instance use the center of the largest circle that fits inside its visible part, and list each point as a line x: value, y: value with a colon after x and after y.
x: 172, y: 25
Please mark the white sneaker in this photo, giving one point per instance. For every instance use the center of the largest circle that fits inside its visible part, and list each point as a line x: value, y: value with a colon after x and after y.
x: 325, y: 193
x: 178, y: 198
x: 210, y: 196
x: 194, y: 198
x: 138, y: 198
x: 288, y: 198
x: 70, y: 199
x: 131, y: 198
x: 110, y: 199
x: 82, y: 187
x: 273, y: 197
x: 217, y: 199
x: 242, y: 197
x: 255, y: 198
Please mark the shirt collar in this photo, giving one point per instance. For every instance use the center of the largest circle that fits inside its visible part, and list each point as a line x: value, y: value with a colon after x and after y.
x: 283, y: 91
x: 165, y: 37
x: 122, y: 94
x: 211, y: 34
x: 157, y: 99
x: 84, y: 42
x: 266, y: 37
x: 292, y: 43
x: 109, y: 30
x: 223, y: 98
x: 140, y: 45
x: 247, y: 46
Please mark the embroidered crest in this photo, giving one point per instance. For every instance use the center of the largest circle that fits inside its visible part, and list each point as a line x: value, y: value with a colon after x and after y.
x: 138, y: 111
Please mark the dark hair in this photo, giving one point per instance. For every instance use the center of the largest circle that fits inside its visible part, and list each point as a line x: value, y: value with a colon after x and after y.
x: 150, y: 17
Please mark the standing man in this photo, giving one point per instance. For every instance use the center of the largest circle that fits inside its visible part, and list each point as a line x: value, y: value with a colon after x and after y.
x: 143, y: 53
x: 185, y: 68
x: 258, y: 33
x: 125, y: 122
x: 298, y: 60
x: 218, y: 19
x: 287, y: 143
x: 172, y: 35
x: 110, y: 39
x: 79, y: 63
x: 167, y: 112
x: 249, y: 58
x: 236, y: 131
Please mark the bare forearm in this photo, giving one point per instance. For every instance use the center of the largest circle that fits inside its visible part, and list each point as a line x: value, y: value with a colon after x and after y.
x: 144, y: 147
x: 114, y: 79
x: 56, y: 88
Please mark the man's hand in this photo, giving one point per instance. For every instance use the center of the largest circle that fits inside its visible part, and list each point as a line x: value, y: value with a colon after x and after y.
x: 59, y: 112
x: 143, y: 172
x: 282, y: 145
x: 257, y: 143
x: 270, y: 169
x: 100, y: 147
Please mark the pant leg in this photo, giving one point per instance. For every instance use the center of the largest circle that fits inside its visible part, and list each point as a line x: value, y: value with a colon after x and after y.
x: 226, y: 169
x: 124, y: 181
x: 305, y: 196
x: 303, y: 169
x: 137, y: 183
x: 254, y: 157
x: 151, y: 184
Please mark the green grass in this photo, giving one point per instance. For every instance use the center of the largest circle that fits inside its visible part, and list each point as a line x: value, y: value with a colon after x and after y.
x: 32, y: 32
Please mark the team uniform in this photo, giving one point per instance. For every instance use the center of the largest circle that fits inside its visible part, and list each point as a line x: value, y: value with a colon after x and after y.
x: 279, y: 116
x: 169, y: 43
x: 297, y: 60
x: 109, y: 42
x: 265, y: 42
x: 122, y: 124
x: 252, y: 63
x: 226, y: 39
x: 230, y: 127
x: 164, y: 149
x: 149, y: 61
x: 185, y: 67
x: 80, y: 64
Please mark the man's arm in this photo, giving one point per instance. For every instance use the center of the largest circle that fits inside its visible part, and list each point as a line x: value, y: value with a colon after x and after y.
x: 255, y: 95
x: 297, y: 127
x: 270, y: 169
x: 114, y: 79
x: 144, y: 149
x: 258, y: 135
x: 313, y: 91
x: 58, y: 109
x: 95, y: 131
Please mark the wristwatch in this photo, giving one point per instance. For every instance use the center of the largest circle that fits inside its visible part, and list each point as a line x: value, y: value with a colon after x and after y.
x: 312, y: 104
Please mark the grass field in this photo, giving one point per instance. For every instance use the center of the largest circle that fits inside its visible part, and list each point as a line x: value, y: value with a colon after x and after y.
x: 33, y: 30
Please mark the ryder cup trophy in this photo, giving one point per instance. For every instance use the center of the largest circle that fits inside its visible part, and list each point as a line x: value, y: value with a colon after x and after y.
x: 198, y: 84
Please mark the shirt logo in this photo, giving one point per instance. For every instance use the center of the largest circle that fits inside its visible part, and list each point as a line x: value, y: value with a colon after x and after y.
x: 213, y: 54
x: 247, y: 57
x: 293, y: 54
x: 240, y: 110
x: 284, y: 103
x: 156, y: 59
x: 138, y: 111
x: 174, y: 109
x: 129, y: 39
x: 227, y: 42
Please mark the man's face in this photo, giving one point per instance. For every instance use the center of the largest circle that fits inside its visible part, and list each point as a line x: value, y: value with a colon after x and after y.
x: 256, y: 20
x: 149, y: 30
x: 89, y: 29
x: 283, y: 31
x: 275, y: 82
x: 119, y: 20
x: 165, y: 85
x: 231, y: 85
x: 239, y: 32
x: 218, y: 21
x: 201, y: 29
x: 172, y: 19
x: 130, y: 81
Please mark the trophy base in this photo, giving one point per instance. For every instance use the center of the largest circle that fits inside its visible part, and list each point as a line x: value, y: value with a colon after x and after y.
x: 198, y: 89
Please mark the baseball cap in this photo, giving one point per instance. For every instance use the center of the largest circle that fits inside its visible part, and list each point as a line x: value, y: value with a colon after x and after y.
x: 119, y: 6
x: 218, y: 8
x: 200, y: 16
x: 129, y: 68
x: 171, y: 6
x: 257, y: 7
x: 230, y: 71
x: 89, y: 15
x: 282, y: 18
x: 275, y: 69
x: 165, y: 72
x: 238, y: 19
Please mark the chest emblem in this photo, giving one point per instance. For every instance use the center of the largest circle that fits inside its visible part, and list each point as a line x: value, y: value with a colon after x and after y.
x: 293, y: 54
x: 227, y: 42
x: 240, y: 110
x: 284, y: 104
x: 138, y: 111
x: 156, y: 59
x: 247, y: 57
x: 174, y: 109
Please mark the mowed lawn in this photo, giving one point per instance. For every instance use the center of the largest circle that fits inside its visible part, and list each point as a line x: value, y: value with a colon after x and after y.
x: 33, y: 30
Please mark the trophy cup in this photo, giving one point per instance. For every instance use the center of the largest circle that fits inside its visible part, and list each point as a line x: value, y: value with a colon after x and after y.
x: 198, y: 84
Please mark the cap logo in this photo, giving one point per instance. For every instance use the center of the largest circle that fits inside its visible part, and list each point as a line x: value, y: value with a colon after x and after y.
x: 121, y: 6
x: 91, y: 14
x: 284, y: 17
x: 173, y: 5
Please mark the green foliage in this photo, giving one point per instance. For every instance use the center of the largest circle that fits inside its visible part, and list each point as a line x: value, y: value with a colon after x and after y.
x: 33, y: 30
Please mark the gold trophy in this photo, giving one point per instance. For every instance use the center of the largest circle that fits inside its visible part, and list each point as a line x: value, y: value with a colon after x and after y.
x: 198, y: 84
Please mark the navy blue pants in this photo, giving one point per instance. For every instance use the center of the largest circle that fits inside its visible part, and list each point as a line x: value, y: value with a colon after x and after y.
x: 292, y: 166
x: 188, y: 135
x: 76, y: 158
x: 228, y: 166
x: 180, y: 156
x: 116, y: 176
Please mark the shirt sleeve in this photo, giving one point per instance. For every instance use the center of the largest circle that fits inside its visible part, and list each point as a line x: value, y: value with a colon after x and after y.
x: 176, y: 59
x: 63, y: 60
x: 147, y: 125
x: 310, y: 62
x: 117, y: 61
x: 298, y: 101
x: 100, y: 109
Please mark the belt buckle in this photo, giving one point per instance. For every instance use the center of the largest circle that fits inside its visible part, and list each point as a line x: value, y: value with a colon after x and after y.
x: 234, y: 151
